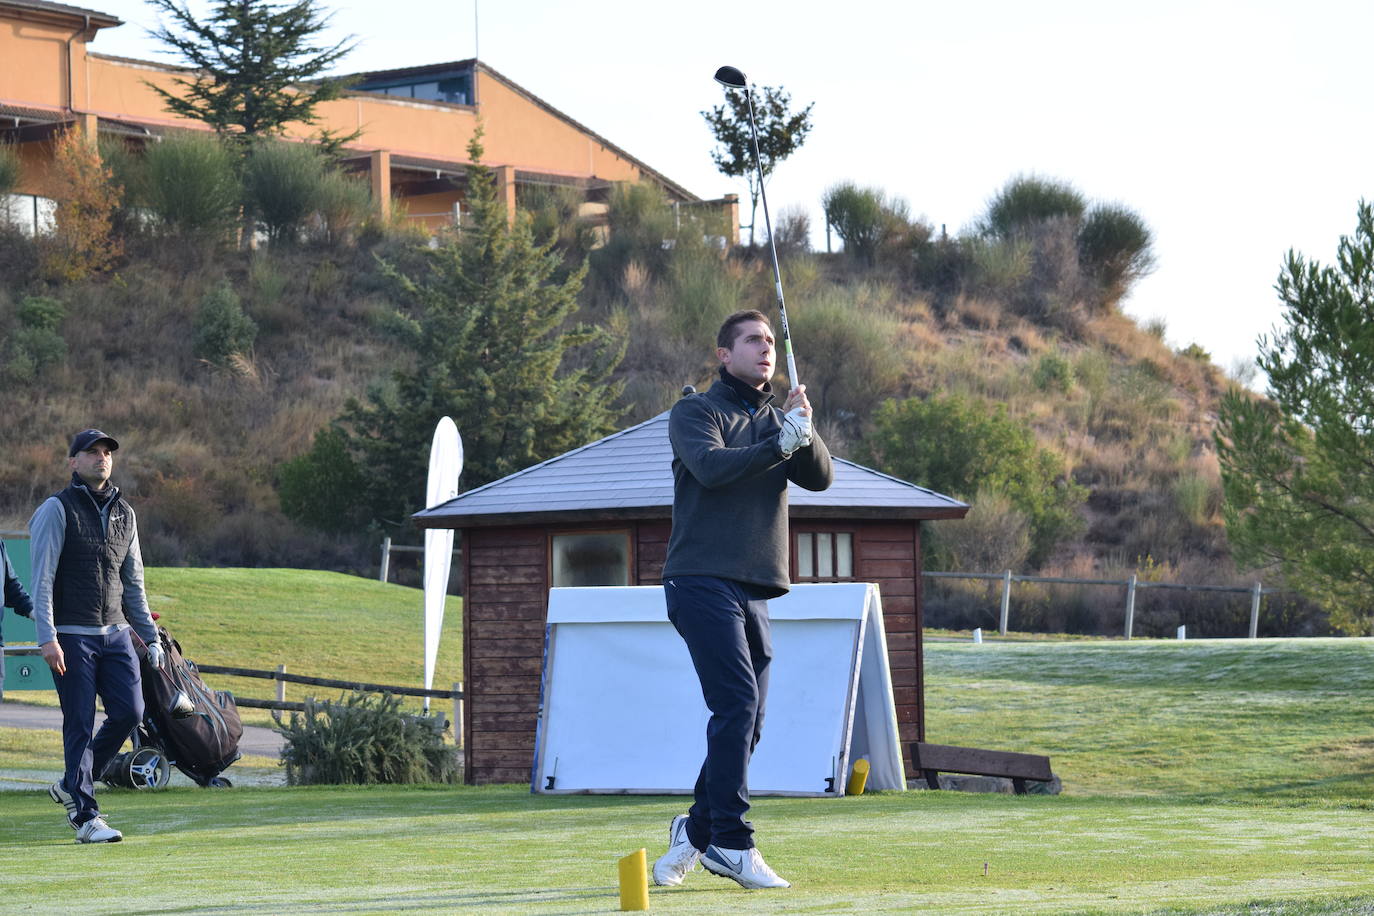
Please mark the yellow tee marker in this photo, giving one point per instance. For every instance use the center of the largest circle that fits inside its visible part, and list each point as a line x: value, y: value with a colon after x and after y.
x: 858, y: 778
x: 634, y: 882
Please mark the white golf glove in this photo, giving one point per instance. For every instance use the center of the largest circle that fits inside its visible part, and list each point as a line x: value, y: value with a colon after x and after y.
x: 796, y: 432
x: 156, y: 657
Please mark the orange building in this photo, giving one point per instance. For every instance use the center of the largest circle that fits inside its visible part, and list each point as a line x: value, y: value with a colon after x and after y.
x: 414, y: 124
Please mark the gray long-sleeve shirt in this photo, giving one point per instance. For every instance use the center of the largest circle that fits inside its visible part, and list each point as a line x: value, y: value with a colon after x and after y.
x: 730, y: 487
x: 47, y: 533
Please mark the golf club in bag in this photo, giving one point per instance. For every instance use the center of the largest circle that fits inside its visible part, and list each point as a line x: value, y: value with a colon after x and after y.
x: 732, y: 78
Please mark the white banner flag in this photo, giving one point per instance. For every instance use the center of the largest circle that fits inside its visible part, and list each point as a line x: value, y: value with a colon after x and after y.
x: 445, y: 464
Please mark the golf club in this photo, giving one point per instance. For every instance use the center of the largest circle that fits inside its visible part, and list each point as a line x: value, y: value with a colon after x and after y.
x: 732, y: 78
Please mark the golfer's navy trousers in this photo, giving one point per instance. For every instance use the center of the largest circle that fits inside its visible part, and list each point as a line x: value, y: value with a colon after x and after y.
x: 725, y: 626
x: 103, y: 665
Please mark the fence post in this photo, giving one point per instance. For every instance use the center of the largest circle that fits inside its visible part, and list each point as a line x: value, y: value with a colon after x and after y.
x: 458, y: 714
x: 1130, y: 605
x: 1006, y: 603
x: 281, y: 692
x: 386, y: 558
x: 1254, y: 610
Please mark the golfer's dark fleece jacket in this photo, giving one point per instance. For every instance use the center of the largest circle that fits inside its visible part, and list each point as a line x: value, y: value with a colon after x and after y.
x: 730, y: 486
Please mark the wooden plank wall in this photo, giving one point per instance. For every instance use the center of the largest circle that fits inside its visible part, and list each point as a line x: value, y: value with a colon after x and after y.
x: 504, y: 612
x: 889, y: 554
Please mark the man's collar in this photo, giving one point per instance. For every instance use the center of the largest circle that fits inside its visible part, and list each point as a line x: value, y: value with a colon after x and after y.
x: 753, y: 397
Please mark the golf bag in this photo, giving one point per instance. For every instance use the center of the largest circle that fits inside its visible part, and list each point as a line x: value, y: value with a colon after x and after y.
x: 185, y: 724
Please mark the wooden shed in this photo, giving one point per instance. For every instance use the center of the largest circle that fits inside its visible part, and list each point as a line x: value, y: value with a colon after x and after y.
x: 600, y: 515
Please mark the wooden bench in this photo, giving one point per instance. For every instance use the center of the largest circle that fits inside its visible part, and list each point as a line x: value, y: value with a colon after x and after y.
x: 933, y: 759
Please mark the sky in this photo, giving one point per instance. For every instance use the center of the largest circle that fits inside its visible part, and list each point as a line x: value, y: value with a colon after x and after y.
x: 1237, y: 130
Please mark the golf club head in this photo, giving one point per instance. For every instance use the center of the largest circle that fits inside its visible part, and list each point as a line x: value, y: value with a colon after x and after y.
x: 181, y: 706
x: 731, y: 78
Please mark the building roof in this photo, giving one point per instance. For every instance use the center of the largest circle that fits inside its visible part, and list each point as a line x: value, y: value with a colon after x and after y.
x: 474, y: 64
x: 44, y: 9
x: 629, y: 475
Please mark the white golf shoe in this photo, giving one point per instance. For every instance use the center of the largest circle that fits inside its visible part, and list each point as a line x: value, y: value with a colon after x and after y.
x: 681, y: 857
x: 96, y: 830
x: 63, y: 798
x: 744, y: 866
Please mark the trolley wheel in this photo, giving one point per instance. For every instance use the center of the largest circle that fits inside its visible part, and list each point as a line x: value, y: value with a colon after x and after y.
x: 219, y: 782
x: 147, y: 768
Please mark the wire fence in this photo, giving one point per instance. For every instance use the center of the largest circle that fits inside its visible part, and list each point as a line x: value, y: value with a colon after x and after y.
x: 1131, y: 587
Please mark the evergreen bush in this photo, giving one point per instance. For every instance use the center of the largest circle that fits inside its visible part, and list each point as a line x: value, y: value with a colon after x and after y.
x: 1115, y: 247
x: 365, y: 739
x: 37, y: 342
x: 1030, y: 199
x: 1054, y: 373
x: 190, y: 184
x: 222, y: 329
x: 283, y: 184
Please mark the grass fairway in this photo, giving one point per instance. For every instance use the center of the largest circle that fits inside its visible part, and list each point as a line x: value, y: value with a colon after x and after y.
x: 1203, y: 778
x: 389, y: 850
x: 1262, y: 721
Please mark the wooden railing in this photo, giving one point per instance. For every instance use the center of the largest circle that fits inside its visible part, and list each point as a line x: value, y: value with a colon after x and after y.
x: 283, y: 678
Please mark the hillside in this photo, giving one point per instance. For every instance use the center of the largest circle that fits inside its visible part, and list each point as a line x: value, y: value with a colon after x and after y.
x: 1126, y: 417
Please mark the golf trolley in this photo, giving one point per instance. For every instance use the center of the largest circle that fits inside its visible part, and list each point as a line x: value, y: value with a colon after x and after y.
x: 185, y: 725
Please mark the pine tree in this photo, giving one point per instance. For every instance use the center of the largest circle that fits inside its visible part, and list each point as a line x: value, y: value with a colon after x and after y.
x: 252, y: 63
x: 492, y: 349
x: 1298, y: 469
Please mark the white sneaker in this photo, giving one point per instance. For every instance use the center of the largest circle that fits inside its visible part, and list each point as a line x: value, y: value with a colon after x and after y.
x: 96, y: 830
x: 744, y: 866
x: 681, y: 857
x: 63, y: 798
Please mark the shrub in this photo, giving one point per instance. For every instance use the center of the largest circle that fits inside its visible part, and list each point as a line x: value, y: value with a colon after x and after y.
x: 863, y: 218
x: 960, y: 446
x: 1000, y: 267
x: 1116, y: 248
x: 344, y: 203
x: 190, y: 183
x: 365, y: 739
x: 37, y: 342
x: 320, y: 488
x: 850, y: 357
x: 87, y: 196
x: 792, y: 232
x: 699, y: 293
x: 1027, y: 200
x: 994, y: 536
x: 1195, y: 352
x: 1054, y: 373
x: 222, y: 329
x: 643, y: 231
x: 282, y: 186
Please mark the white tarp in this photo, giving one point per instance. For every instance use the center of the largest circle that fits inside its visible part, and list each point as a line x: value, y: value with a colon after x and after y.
x: 445, y: 464
x: 622, y: 710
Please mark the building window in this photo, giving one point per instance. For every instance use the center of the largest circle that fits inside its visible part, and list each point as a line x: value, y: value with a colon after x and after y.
x: 591, y: 558
x: 824, y: 556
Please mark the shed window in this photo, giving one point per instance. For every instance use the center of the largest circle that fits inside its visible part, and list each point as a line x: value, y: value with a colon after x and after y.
x: 825, y: 555
x: 599, y: 558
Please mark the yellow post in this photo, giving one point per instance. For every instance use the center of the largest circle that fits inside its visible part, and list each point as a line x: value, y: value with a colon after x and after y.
x: 634, y: 882
x: 858, y: 778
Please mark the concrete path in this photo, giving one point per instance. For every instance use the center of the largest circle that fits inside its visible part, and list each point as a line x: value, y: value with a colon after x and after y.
x: 257, y: 741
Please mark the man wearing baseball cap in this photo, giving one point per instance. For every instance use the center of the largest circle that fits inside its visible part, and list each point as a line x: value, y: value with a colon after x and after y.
x: 87, y: 590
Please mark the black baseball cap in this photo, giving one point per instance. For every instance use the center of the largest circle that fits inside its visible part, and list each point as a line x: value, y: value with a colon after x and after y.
x: 88, y: 437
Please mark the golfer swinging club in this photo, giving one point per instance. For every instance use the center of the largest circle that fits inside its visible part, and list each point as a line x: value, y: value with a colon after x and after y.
x: 733, y: 454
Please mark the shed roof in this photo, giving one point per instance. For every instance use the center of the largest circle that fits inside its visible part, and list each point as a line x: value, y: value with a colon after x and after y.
x: 629, y: 475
